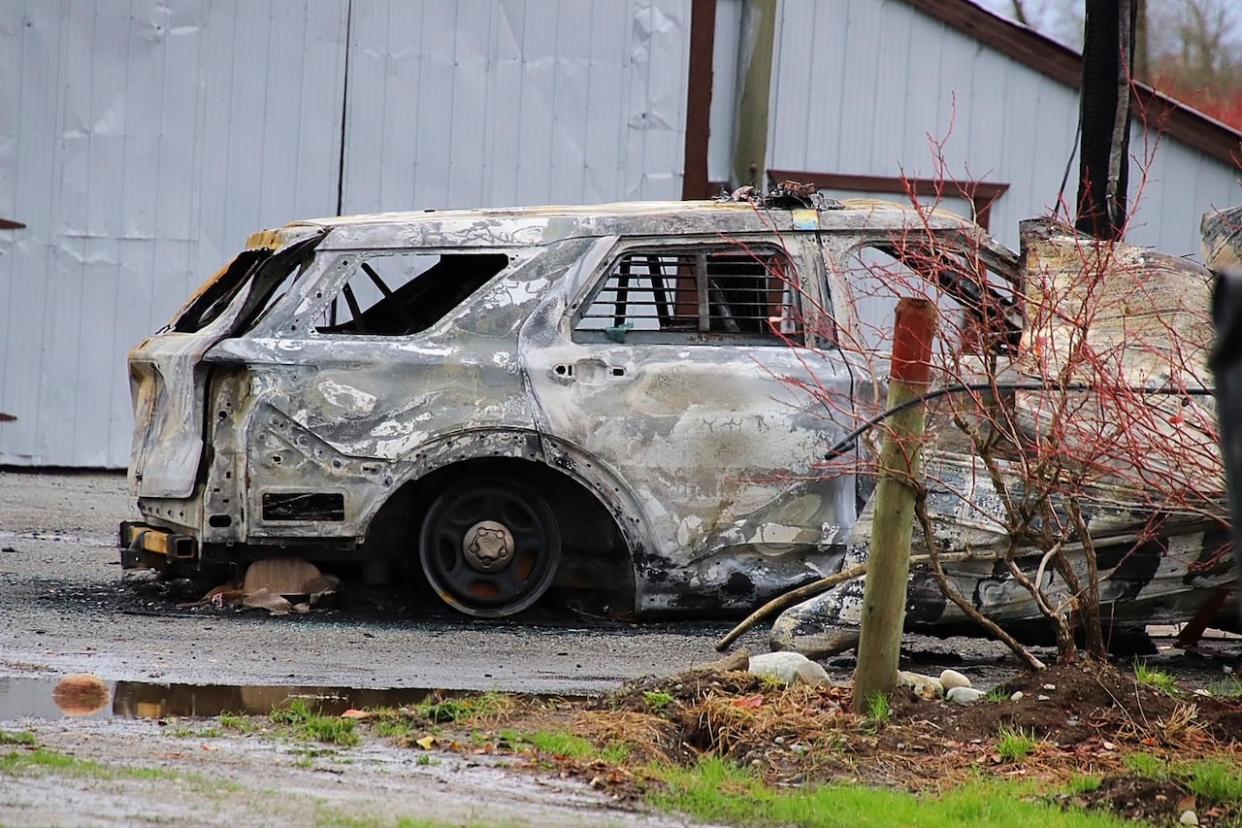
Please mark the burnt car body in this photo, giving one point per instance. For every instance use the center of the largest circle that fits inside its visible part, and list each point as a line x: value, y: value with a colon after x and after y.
x: 610, y: 399
x: 629, y: 404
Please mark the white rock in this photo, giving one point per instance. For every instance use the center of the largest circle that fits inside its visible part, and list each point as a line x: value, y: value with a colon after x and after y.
x: 1041, y: 697
x: 952, y: 678
x: 1017, y: 696
x: 964, y: 695
x: 788, y: 668
x: 1109, y: 746
x: 925, y: 687
x: 1189, y: 818
x: 1050, y: 687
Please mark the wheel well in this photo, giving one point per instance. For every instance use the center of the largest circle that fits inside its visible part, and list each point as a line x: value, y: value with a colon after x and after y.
x: 595, y: 573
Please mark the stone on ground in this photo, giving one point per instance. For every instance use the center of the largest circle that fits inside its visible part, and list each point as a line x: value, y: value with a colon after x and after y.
x: 788, y: 668
x: 964, y: 695
x: 925, y: 687
x: 952, y: 678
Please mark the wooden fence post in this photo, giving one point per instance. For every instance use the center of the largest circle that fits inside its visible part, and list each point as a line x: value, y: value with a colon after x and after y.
x: 888, y: 566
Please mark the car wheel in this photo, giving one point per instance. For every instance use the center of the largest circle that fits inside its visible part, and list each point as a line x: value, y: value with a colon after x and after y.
x: 489, y: 548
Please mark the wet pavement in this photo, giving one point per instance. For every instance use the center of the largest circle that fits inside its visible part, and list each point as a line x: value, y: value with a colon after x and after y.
x: 66, y: 608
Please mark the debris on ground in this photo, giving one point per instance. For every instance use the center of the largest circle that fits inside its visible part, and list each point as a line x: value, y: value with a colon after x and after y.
x: 963, y: 695
x: 278, y: 585
x: 925, y: 687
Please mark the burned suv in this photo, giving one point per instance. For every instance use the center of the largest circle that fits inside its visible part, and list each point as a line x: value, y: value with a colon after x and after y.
x: 609, y: 399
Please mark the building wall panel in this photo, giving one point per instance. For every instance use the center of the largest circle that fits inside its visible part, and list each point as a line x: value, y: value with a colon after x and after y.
x: 144, y: 141
x: 469, y: 104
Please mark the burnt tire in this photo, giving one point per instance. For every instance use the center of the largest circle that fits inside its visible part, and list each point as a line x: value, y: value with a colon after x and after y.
x: 489, y: 547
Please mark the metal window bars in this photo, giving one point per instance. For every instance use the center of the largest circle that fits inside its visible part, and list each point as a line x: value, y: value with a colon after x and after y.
x: 725, y: 291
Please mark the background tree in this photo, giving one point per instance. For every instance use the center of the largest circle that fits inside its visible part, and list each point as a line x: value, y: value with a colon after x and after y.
x: 1188, y: 49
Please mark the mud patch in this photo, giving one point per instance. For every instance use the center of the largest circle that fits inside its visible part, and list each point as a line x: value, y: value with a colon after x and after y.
x: 1138, y: 798
x: 1069, y: 704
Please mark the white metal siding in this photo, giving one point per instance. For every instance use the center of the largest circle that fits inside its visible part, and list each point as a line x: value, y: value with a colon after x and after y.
x: 491, y: 104
x: 142, y: 142
x: 860, y: 84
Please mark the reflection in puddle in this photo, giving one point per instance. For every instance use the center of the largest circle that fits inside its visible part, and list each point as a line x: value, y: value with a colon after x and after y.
x: 88, y: 697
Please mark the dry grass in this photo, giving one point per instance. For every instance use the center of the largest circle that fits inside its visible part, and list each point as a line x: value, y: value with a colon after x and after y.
x: 727, y: 725
x: 649, y: 738
x: 1183, y: 722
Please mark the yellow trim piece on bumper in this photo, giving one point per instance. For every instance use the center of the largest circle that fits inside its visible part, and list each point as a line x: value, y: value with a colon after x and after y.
x: 158, y: 541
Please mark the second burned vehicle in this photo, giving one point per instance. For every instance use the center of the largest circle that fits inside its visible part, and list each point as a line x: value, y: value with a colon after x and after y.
x: 629, y: 402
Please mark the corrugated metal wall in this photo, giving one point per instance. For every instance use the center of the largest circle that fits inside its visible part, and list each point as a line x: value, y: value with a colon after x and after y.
x: 515, y: 102
x: 859, y: 84
x: 141, y: 142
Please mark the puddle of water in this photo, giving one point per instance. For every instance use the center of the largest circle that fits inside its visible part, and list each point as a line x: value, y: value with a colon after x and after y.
x: 37, y: 697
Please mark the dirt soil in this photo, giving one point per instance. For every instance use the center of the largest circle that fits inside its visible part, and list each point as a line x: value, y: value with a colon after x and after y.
x: 1082, y: 720
x: 1079, y: 703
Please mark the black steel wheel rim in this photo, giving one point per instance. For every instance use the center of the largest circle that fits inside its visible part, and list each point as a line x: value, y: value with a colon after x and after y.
x: 466, y: 518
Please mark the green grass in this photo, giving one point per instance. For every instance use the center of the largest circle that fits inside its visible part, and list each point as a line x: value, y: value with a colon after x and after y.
x: 17, y: 737
x: 1084, y: 783
x: 1145, y: 765
x: 241, y: 724
x: 465, y: 709
x: 1014, y: 744
x: 1155, y: 679
x: 657, y: 700
x: 879, y: 711
x: 16, y: 761
x: 310, y: 726
x: 328, y: 818
x: 1214, y: 779
x: 715, y: 791
x: 394, y: 729
x: 42, y: 759
x: 1218, y: 780
x: 772, y: 683
x: 185, y: 732
x: 559, y: 743
x: 997, y: 694
x: 1230, y: 688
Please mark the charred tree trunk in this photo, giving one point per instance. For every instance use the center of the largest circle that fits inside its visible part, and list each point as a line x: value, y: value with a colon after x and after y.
x: 1103, y: 179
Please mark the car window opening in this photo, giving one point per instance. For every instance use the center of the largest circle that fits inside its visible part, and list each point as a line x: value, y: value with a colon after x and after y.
x: 407, y: 293
x: 741, y: 292
x: 219, y: 292
x: 980, y: 304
